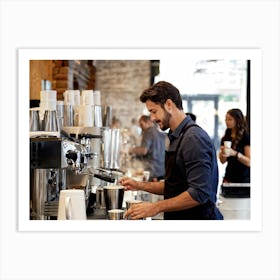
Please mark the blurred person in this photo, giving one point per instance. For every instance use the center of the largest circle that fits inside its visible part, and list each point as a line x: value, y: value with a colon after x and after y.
x: 191, y: 170
x: 238, y: 159
x: 116, y: 123
x: 152, y: 148
x: 135, y: 132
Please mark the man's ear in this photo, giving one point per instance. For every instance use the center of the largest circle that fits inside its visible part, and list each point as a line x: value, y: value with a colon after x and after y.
x: 168, y: 105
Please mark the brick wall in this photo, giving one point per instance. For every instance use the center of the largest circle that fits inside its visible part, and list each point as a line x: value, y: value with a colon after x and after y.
x: 121, y: 82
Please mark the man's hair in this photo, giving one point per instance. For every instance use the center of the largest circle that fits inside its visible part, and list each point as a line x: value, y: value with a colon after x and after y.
x: 160, y: 92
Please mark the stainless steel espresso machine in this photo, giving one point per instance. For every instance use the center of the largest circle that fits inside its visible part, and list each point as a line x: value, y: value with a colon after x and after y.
x: 51, y: 160
x: 71, y: 161
x: 66, y: 157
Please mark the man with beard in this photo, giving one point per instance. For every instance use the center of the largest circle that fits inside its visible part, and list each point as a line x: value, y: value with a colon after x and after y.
x: 191, y: 170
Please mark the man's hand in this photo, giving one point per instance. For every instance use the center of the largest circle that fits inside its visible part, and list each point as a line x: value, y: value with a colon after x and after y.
x: 141, y: 210
x: 129, y: 184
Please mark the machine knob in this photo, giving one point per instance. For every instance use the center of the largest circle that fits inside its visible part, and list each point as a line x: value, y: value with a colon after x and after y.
x: 72, y: 155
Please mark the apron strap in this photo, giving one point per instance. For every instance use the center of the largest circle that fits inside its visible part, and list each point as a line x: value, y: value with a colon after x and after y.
x: 185, y: 128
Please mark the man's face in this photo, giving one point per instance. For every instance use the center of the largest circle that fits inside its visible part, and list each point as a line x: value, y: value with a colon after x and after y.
x: 158, y: 114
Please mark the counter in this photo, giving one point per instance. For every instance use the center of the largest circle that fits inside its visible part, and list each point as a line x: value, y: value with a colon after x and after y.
x: 234, y: 201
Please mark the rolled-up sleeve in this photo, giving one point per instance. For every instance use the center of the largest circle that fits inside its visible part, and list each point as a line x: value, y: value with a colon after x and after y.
x: 196, y: 156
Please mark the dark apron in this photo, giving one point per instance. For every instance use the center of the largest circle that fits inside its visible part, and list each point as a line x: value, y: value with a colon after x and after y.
x: 175, y: 184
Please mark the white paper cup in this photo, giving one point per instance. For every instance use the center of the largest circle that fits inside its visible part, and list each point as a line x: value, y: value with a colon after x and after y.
x: 48, y: 100
x: 77, y: 97
x: 146, y: 175
x: 227, y: 145
x: 97, y: 116
x: 69, y: 97
x: 85, y: 116
x: 87, y: 97
x: 96, y: 97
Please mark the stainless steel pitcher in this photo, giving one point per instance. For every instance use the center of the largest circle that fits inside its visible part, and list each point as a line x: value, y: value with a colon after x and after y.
x: 50, y: 121
x: 107, y: 116
x: 34, y: 123
x: 68, y: 113
x: 111, y: 140
x: 100, y: 199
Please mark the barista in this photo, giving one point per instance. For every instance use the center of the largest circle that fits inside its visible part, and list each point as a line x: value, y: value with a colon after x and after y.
x: 152, y: 149
x: 191, y: 175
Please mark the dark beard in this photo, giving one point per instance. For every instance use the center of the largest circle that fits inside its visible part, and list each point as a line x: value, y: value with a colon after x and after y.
x: 165, y: 121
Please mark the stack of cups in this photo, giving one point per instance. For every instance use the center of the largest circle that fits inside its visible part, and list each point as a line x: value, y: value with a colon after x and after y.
x: 60, y: 114
x: 70, y: 97
x: 98, y: 122
x: 85, y: 117
x: 92, y: 99
x: 77, y: 97
x: 48, y: 100
x: 77, y: 101
x: 48, y: 110
x: 87, y: 97
x: 85, y: 110
x: 96, y: 97
x: 97, y: 116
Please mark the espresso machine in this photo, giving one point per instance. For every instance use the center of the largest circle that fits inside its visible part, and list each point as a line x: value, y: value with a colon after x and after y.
x: 65, y: 154
x: 102, y: 150
x: 51, y: 159
x: 71, y: 161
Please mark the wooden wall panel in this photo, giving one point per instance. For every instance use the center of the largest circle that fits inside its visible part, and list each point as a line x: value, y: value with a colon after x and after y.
x: 39, y: 70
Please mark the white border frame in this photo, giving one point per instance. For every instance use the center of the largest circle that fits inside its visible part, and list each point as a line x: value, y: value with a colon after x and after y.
x: 25, y: 55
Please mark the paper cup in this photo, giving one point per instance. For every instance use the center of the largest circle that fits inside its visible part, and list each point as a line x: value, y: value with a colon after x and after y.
x: 87, y: 97
x: 227, y: 145
x: 85, y: 116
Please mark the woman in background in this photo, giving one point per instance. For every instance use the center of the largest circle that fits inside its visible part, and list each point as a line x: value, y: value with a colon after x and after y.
x: 238, y: 157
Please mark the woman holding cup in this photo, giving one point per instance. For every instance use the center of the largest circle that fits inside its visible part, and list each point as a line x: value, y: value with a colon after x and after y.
x: 235, y: 148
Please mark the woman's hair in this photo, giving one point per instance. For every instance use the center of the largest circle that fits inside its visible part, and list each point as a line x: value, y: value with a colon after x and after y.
x: 240, y: 123
x: 160, y: 92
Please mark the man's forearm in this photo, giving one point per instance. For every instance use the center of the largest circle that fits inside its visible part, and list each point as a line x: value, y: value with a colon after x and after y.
x: 181, y: 202
x: 152, y: 187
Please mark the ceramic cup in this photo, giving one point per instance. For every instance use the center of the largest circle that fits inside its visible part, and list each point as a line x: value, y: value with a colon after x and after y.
x: 72, y: 205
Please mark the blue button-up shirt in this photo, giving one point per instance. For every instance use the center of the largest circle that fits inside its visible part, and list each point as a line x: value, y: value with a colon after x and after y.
x: 197, y: 160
